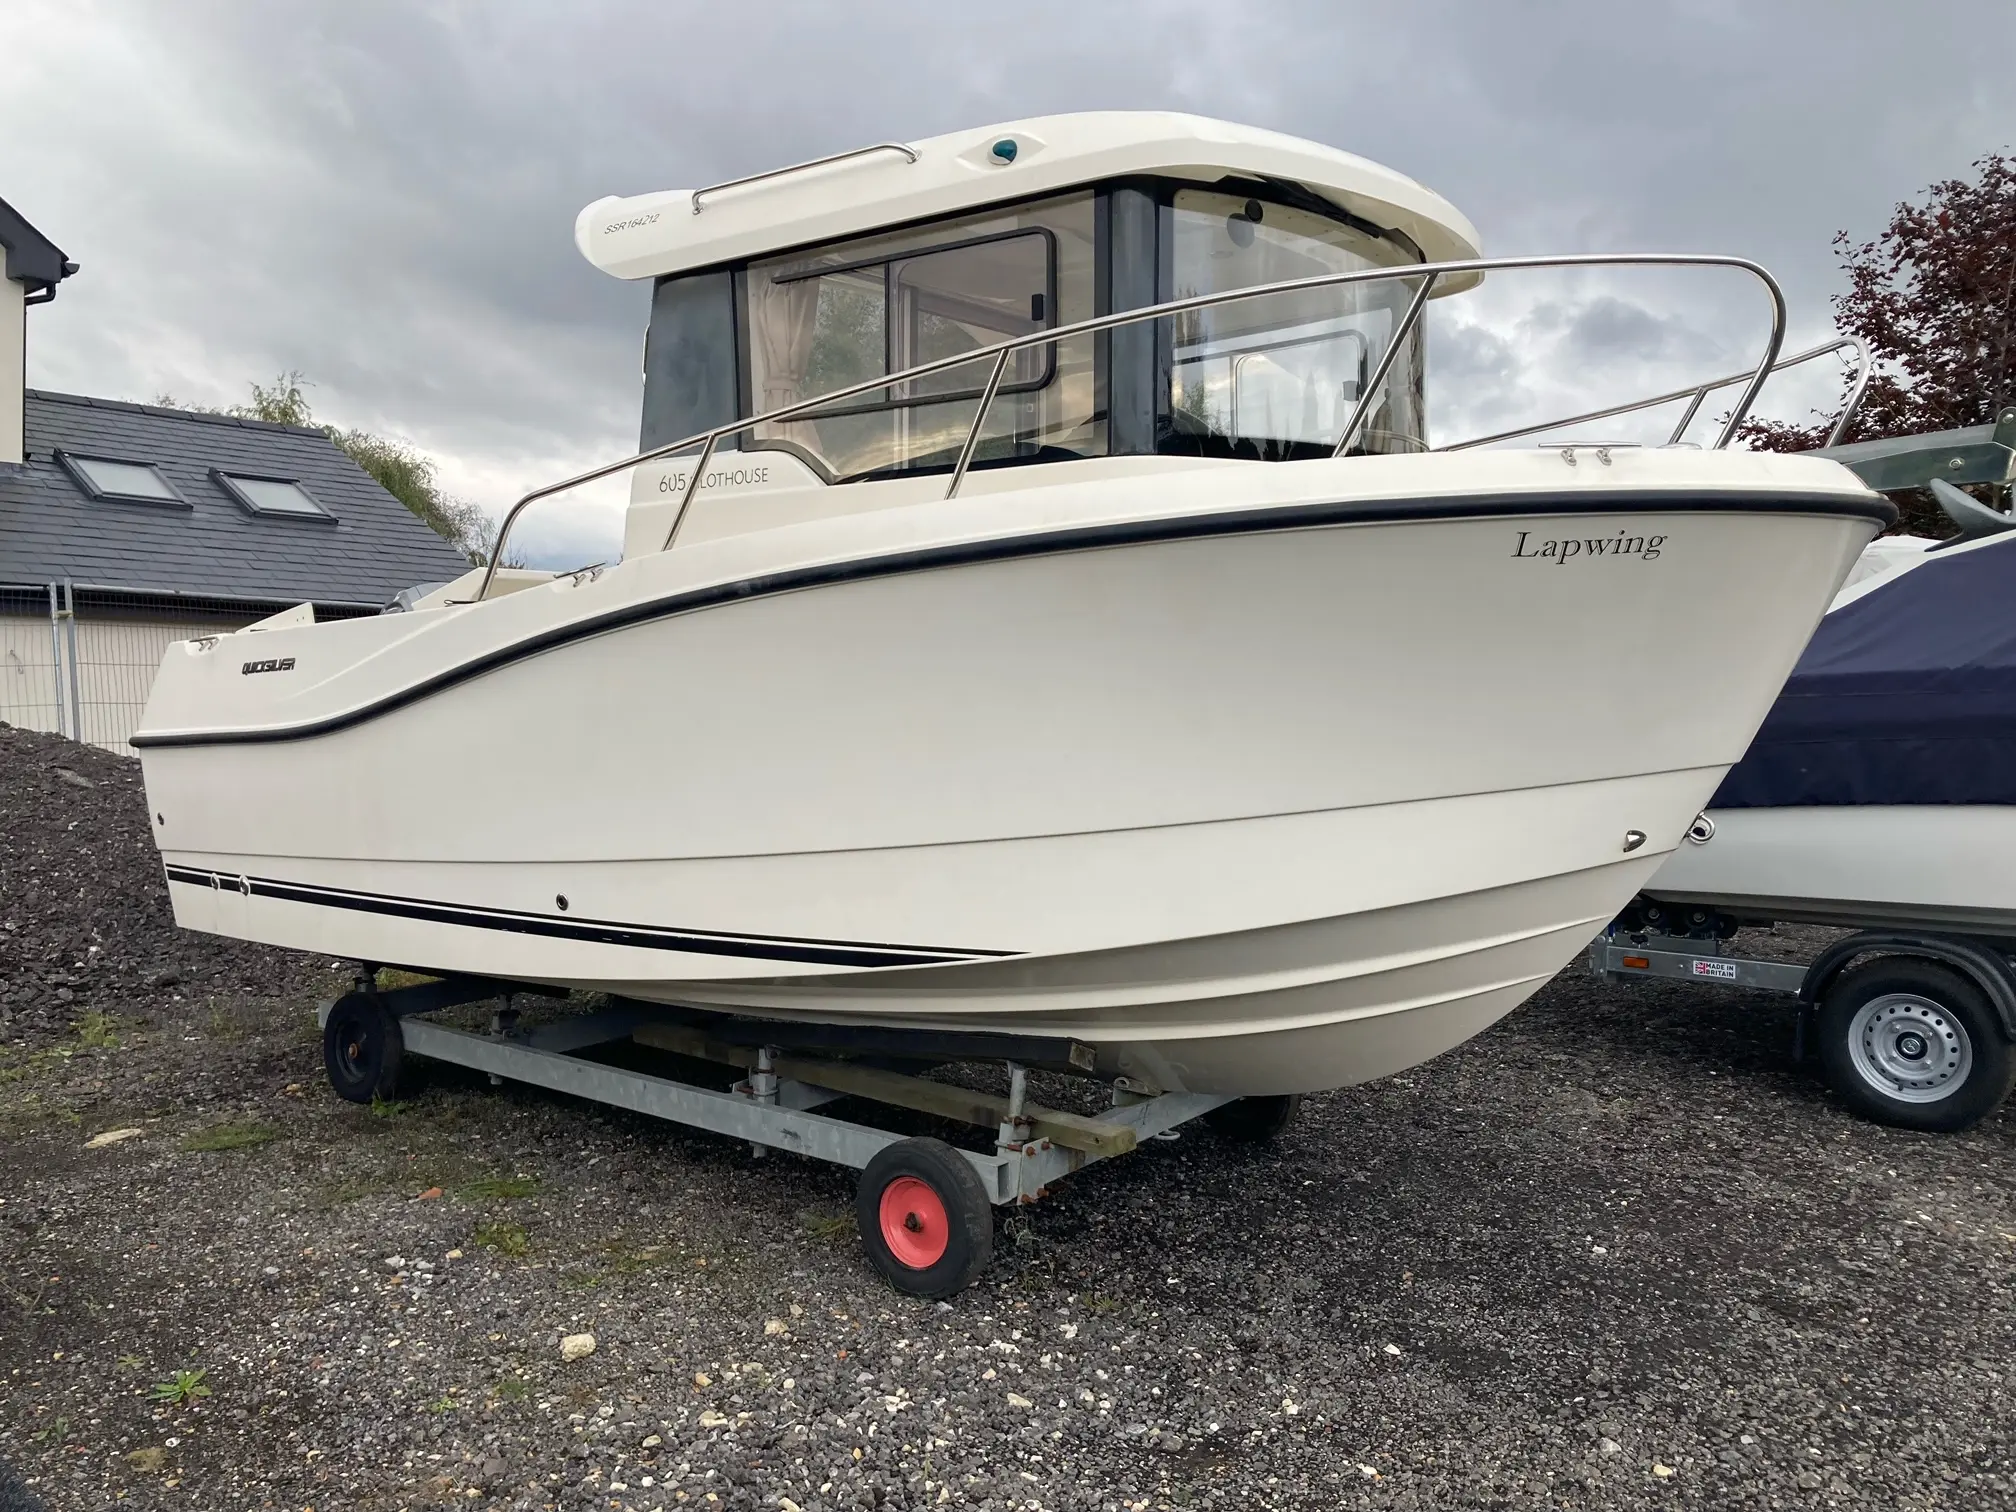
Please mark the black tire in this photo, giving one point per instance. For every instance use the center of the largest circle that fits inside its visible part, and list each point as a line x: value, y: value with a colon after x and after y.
x: 1254, y: 1120
x: 1914, y: 1044
x: 363, y: 1049
x: 946, y: 1246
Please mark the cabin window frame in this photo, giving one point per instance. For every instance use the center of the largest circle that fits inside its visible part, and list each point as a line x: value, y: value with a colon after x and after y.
x: 889, y: 265
x: 1127, y: 435
x: 1284, y: 194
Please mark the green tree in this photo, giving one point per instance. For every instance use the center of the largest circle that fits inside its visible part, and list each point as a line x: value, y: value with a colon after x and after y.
x: 398, y: 468
x: 1933, y: 297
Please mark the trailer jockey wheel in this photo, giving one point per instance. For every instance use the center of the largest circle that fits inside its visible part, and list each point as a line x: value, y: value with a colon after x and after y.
x: 924, y: 1218
x: 362, y: 1048
x: 1254, y: 1120
x: 1915, y: 1044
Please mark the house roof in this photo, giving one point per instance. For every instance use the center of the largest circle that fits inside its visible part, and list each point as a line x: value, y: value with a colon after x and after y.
x: 32, y: 259
x: 52, y: 531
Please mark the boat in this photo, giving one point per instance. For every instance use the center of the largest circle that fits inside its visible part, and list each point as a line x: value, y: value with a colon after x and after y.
x: 1880, y: 792
x: 1041, y: 611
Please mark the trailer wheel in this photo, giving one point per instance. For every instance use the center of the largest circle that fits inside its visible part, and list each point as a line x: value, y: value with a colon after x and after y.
x: 363, y: 1049
x: 1914, y: 1044
x: 924, y: 1218
x: 1254, y: 1120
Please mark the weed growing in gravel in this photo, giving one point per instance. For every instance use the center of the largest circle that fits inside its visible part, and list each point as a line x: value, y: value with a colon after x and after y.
x: 490, y: 1188
x: 231, y: 1136
x: 130, y: 1362
x: 180, y: 1389
x: 505, y: 1238
x: 626, y: 1259
x: 386, y: 1108
x: 389, y: 979
x: 828, y: 1226
x: 15, y: 1067
x: 443, y: 1404
x: 222, y: 1027
x: 353, y: 1190
x: 96, y: 1030
x: 513, y: 1390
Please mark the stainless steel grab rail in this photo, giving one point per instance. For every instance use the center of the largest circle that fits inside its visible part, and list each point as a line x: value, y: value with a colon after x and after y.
x: 1429, y: 273
x: 1698, y: 393
x: 770, y: 173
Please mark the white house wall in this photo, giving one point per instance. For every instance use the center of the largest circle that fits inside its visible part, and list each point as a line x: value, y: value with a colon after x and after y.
x: 116, y: 661
x: 13, y: 366
x: 31, y: 682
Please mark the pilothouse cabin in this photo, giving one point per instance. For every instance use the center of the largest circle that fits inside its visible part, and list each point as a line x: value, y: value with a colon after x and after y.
x: 773, y: 290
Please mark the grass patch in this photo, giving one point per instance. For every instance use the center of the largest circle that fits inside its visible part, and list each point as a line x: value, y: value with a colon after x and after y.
x: 505, y: 1238
x: 390, y: 980
x: 495, y: 1188
x: 623, y: 1259
x: 828, y: 1226
x: 353, y: 1190
x: 15, y: 1066
x: 96, y: 1028
x: 180, y: 1389
x: 231, y: 1136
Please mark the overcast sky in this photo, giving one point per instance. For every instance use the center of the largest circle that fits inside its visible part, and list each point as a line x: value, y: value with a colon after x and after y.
x: 382, y: 195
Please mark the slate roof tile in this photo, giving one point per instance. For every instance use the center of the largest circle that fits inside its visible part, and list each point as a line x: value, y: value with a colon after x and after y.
x: 50, y: 530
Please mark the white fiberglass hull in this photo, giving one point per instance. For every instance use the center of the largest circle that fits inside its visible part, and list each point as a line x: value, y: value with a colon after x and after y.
x: 1946, y: 867
x: 1254, y: 790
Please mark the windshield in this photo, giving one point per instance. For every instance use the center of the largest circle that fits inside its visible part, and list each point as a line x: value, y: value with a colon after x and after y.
x: 1277, y: 377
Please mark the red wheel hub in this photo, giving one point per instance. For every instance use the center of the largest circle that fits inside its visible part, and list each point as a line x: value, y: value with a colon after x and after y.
x: 914, y: 1225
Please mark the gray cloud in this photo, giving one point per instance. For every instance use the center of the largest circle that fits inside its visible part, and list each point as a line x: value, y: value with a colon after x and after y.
x: 382, y: 194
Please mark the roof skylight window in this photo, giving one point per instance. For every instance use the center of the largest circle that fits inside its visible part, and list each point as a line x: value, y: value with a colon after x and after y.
x: 125, y: 482
x: 271, y: 496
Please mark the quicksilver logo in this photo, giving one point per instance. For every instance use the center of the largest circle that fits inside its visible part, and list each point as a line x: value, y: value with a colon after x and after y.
x: 281, y: 664
x: 1622, y: 544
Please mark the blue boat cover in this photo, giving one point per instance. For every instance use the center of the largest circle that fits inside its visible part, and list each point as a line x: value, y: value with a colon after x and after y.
x: 1906, y: 695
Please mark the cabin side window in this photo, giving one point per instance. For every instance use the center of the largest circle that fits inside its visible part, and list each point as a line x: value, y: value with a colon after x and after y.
x: 822, y: 320
x: 1277, y: 377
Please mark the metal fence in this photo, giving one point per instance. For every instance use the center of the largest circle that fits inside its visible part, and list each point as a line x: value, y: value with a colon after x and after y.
x: 79, y: 662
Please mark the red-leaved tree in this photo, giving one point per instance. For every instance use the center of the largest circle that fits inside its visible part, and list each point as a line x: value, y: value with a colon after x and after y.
x: 1934, y: 299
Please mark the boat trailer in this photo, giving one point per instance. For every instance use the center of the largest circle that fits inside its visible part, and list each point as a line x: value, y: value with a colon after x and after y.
x: 924, y: 1207
x: 1913, y: 1028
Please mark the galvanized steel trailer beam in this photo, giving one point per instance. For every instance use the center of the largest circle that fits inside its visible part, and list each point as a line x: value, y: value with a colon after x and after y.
x: 771, y: 1107
x: 1682, y: 959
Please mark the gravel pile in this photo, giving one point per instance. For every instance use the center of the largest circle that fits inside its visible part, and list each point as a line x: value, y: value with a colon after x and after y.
x: 1617, y: 1253
x: 84, y: 919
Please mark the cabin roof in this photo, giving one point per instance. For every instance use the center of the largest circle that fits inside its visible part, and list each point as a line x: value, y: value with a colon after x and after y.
x: 649, y: 235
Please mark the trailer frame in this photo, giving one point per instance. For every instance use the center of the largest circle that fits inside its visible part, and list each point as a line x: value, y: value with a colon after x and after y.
x: 790, y: 1072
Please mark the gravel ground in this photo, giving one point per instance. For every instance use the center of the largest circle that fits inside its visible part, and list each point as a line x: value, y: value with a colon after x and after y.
x: 1618, y: 1252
